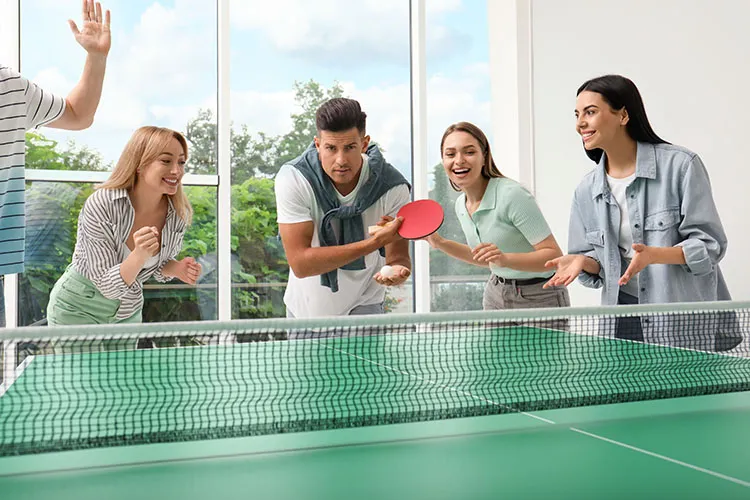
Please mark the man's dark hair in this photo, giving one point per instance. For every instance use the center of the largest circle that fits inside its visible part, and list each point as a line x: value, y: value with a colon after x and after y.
x: 340, y: 114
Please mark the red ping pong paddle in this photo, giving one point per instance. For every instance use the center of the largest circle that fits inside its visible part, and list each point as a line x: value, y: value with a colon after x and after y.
x: 421, y: 219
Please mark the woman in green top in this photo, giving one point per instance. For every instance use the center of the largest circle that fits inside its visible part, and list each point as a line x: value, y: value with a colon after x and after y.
x: 503, y: 226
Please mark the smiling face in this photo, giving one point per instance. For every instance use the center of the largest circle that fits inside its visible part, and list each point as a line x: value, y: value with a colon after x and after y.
x: 463, y: 159
x: 598, y: 124
x: 164, y: 174
x: 340, y: 155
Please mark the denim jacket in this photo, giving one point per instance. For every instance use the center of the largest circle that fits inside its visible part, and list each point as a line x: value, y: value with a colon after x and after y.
x: 669, y: 204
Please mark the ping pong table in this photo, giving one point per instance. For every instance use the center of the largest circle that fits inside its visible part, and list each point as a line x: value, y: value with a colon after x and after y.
x: 441, y: 412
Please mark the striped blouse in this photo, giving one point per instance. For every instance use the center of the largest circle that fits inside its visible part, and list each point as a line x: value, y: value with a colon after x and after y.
x: 103, y: 228
x: 23, y: 106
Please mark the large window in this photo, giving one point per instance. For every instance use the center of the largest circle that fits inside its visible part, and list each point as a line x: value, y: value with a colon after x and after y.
x: 51, y: 224
x: 458, y: 89
x: 161, y: 71
x: 271, y: 66
x: 279, y: 78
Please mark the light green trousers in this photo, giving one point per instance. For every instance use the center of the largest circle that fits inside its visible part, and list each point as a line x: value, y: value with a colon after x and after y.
x: 75, y: 300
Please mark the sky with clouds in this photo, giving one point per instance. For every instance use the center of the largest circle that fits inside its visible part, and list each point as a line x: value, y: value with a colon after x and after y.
x: 162, y: 67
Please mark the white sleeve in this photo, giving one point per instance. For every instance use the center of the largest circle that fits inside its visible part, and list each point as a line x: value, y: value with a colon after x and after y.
x: 41, y: 107
x: 395, y: 198
x: 294, y: 197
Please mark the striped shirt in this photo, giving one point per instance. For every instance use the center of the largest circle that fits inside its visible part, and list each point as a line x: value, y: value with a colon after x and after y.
x: 104, y: 225
x: 23, y: 106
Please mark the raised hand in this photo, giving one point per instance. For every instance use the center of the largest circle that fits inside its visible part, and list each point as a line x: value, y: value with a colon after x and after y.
x: 94, y: 35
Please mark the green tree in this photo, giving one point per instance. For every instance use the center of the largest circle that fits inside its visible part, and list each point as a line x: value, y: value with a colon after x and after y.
x: 42, y: 153
x: 258, y: 251
x: 309, y: 97
x: 249, y: 155
x: 200, y: 133
x: 260, y: 154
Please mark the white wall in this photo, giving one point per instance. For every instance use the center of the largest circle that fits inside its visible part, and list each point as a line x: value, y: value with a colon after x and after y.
x: 694, y: 75
x: 510, y: 81
x: 9, y: 33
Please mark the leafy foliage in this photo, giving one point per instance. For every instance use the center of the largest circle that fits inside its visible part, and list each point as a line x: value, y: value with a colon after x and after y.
x: 259, y: 155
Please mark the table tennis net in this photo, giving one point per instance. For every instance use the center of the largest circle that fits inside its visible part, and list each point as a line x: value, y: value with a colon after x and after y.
x: 72, y: 388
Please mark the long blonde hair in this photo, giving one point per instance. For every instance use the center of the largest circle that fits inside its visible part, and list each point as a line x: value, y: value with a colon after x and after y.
x: 143, y: 148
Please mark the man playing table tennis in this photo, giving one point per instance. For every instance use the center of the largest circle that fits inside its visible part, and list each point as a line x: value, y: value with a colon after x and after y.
x: 326, y: 199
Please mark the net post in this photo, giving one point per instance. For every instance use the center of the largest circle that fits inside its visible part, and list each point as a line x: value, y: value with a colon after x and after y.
x: 9, y: 365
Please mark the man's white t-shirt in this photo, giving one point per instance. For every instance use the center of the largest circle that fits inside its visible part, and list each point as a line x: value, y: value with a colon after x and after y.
x: 619, y: 191
x: 295, y: 202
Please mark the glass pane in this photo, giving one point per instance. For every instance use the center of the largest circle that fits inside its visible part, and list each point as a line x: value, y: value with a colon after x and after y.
x: 161, y: 71
x: 52, y: 210
x: 51, y: 224
x: 328, y: 54
x: 177, y: 301
x: 458, y: 89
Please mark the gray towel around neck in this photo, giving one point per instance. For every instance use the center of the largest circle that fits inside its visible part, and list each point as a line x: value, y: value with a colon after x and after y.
x: 383, y: 177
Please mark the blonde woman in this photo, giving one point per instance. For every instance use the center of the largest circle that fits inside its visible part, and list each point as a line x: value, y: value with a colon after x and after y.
x: 129, y: 230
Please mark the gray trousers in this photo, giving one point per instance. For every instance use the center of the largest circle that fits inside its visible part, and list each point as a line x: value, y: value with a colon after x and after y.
x: 511, y: 294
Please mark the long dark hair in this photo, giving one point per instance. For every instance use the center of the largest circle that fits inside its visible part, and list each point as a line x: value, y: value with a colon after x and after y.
x: 489, y: 169
x: 620, y: 92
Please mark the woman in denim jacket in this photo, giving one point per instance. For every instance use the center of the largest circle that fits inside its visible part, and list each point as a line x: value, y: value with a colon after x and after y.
x: 643, y: 225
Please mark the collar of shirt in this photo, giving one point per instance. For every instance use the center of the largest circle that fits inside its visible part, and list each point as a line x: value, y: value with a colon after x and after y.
x: 489, y: 198
x: 645, y: 166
